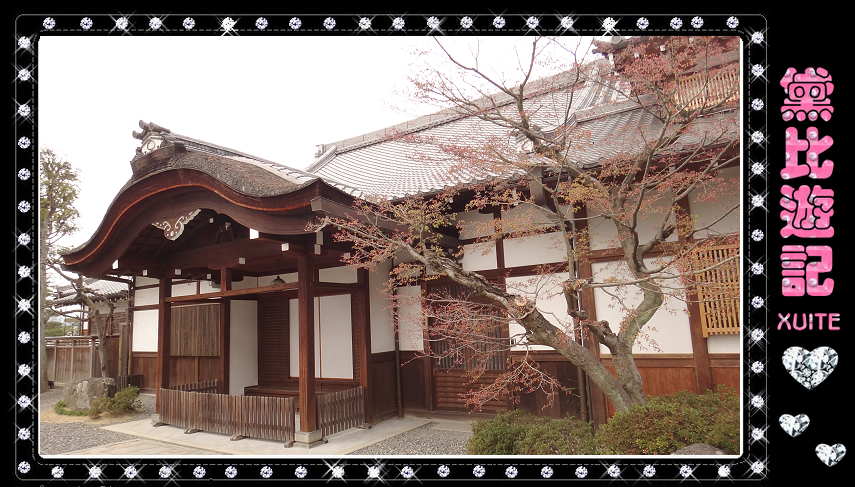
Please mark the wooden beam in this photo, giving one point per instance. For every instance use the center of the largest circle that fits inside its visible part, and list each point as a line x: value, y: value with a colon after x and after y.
x: 225, y: 331
x: 364, y: 320
x: 164, y: 332
x: 306, y: 325
x: 288, y: 286
x: 216, y: 256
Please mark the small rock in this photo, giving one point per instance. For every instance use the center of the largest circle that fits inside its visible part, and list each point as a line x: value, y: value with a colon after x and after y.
x: 699, y: 449
x: 80, y: 394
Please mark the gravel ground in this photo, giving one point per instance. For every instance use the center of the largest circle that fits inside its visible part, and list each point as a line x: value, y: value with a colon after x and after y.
x: 420, y: 441
x: 59, y: 438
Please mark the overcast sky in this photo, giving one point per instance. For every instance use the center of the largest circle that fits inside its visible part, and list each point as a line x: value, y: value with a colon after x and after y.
x: 272, y: 97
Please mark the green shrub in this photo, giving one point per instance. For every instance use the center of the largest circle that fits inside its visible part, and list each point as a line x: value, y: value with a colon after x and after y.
x: 501, y: 435
x: 125, y: 400
x: 60, y: 408
x: 520, y: 433
x: 568, y: 436
x: 668, y: 423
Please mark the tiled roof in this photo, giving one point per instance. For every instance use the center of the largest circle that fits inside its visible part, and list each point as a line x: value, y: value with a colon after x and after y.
x: 605, y: 125
x: 101, y: 290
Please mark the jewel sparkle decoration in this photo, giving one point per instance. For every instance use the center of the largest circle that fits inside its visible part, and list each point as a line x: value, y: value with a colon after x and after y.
x: 24, y: 42
x: 295, y: 23
x: 24, y: 74
x: 228, y: 24
x: 757, y: 334
x: 609, y: 24
x: 810, y: 368
x: 532, y: 22
x: 49, y: 23
x: 94, y: 472
x: 466, y: 22
x: 86, y: 23
x: 757, y: 434
x: 24, y: 110
x: 757, y: 168
x: 479, y: 471
x: 329, y: 23
x: 199, y: 472
x: 757, y: 467
x: 757, y: 137
x: 757, y: 302
x: 407, y: 472
x: 511, y: 472
x: 830, y: 455
x: 24, y: 174
x: 686, y: 471
x: 443, y: 471
x: 676, y: 23
x: 24, y: 370
x: 231, y: 472
x: 757, y: 235
x: 757, y: 38
x: 374, y: 472
x: 642, y: 23
x: 757, y: 367
x: 131, y: 472
x: 546, y: 472
x: 23, y: 467
x: 57, y: 472
x: 398, y: 23
x: 188, y: 23
x: 164, y: 472
x: 732, y: 22
x: 24, y: 434
x: 23, y: 337
x: 266, y: 472
x: 24, y: 142
x: 338, y: 472
x: 261, y: 23
x: 122, y: 23
x: 756, y: 104
x: 794, y: 425
x: 697, y: 22
x: 757, y: 268
x: 566, y: 23
x: 499, y: 22
x: 24, y: 305
x: 300, y: 472
x: 581, y: 472
x: 155, y: 23
x: 757, y: 401
x: 432, y: 23
x: 364, y: 23
x: 614, y: 471
x: 756, y: 70
x: 756, y: 200
x: 24, y: 206
x: 649, y: 471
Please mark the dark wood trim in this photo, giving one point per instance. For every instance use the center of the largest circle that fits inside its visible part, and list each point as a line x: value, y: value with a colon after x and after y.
x: 500, y: 243
x: 146, y: 307
x: 225, y: 331
x: 365, y: 356
x: 144, y: 354
x: 229, y: 293
x: 147, y: 286
x: 164, y: 332
x: 306, y: 303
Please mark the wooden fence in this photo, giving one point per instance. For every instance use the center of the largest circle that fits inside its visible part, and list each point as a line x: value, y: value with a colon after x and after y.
x: 338, y: 411
x: 204, y: 386
x: 125, y: 381
x: 270, y: 418
x: 71, y: 358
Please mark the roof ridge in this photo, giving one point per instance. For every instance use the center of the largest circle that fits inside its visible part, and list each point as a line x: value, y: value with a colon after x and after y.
x: 445, y: 115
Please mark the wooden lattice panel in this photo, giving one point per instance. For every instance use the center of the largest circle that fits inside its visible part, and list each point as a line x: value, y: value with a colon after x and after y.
x: 697, y: 91
x: 718, y: 289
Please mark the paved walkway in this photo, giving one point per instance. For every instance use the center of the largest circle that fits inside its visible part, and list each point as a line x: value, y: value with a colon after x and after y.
x: 170, y: 441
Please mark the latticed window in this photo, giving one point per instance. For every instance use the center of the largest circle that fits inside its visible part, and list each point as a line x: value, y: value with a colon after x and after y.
x: 491, y: 353
x: 718, y: 288
x: 703, y: 90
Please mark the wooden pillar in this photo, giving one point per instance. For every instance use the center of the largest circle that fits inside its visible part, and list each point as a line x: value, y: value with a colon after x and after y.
x: 164, y: 332
x: 92, y: 357
x: 225, y: 330
x: 700, y: 351
x: 365, y: 342
x: 306, y: 325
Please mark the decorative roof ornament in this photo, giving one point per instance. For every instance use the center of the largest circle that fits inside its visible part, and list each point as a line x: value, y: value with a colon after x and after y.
x: 173, y: 228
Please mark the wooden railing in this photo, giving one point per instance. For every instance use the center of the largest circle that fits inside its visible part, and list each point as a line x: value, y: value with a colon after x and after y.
x: 270, y: 418
x: 203, y: 386
x: 338, y: 411
x: 718, y: 289
x: 697, y: 91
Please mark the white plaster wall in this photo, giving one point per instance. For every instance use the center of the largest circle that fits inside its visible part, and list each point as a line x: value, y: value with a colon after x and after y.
x: 479, y: 257
x: 382, y: 332
x: 333, y: 340
x: 243, y: 345
x: 145, y: 297
x: 246, y: 282
x: 343, y: 274
x: 184, y: 289
x: 205, y: 287
x: 336, y: 340
x: 145, y: 331
x: 537, y: 249
x: 265, y: 280
x: 708, y: 212
x: 603, y: 231
x: 546, y: 290
x: 528, y: 213
x: 724, y: 344
x: 669, y: 327
x: 472, y: 224
x: 144, y: 281
x: 410, y: 319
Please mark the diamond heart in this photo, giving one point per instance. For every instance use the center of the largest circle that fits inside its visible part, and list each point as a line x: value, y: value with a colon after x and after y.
x: 794, y: 425
x: 810, y: 368
x: 830, y: 455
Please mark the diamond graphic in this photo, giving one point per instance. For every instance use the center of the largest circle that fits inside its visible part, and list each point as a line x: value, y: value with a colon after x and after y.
x: 830, y: 455
x: 794, y: 425
x: 810, y: 368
